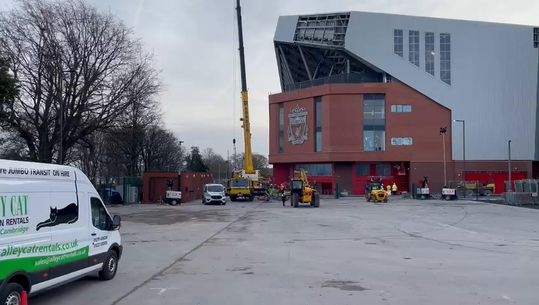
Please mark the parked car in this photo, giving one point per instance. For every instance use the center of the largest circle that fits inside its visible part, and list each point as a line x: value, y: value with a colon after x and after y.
x: 214, y: 193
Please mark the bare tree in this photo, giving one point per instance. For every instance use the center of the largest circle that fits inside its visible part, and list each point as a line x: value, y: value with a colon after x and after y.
x: 161, y: 150
x: 77, y: 70
x: 12, y: 147
x: 91, y: 156
x: 216, y: 164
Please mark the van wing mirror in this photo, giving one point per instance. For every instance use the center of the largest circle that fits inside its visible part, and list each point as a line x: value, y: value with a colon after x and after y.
x: 116, y: 222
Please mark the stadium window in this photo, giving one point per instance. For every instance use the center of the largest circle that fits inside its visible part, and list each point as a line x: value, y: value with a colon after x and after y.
x: 363, y: 169
x: 429, y: 52
x: 401, y: 108
x: 398, y: 42
x: 318, y: 114
x: 408, y: 141
x: 413, y: 47
x: 374, y: 123
x: 320, y: 170
x: 281, y: 128
x: 383, y: 169
x: 445, y: 58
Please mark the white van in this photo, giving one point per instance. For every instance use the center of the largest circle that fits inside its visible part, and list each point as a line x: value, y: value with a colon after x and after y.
x: 54, y: 228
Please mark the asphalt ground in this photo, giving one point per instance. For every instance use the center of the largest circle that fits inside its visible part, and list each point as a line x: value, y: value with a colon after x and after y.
x: 347, y: 251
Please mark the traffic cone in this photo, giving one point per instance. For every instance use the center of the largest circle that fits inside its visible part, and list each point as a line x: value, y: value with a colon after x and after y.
x: 24, y: 298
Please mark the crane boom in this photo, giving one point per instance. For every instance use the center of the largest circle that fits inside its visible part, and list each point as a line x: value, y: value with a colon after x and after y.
x: 248, y: 163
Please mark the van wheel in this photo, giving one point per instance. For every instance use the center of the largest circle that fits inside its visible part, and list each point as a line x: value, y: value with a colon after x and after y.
x: 11, y: 295
x: 110, y: 266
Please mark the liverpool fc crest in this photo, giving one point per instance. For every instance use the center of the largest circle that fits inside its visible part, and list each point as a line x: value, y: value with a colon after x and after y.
x: 297, y: 127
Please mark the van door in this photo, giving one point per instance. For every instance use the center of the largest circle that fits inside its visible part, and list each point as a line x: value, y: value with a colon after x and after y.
x: 69, y: 233
x: 100, y: 231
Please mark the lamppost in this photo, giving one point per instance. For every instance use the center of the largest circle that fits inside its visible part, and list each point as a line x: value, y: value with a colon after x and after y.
x: 60, y: 97
x: 463, y: 151
x: 509, y: 166
x: 61, y: 102
x: 443, y: 131
x: 235, y: 156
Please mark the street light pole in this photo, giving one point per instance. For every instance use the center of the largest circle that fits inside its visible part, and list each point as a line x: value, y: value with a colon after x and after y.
x: 509, y: 166
x: 61, y: 102
x: 443, y: 130
x: 235, y: 154
x: 463, y: 151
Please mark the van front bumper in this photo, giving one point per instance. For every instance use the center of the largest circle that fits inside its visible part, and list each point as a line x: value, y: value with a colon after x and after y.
x: 216, y: 199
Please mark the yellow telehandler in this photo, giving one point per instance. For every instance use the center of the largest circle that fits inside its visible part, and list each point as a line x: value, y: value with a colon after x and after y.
x: 301, y: 191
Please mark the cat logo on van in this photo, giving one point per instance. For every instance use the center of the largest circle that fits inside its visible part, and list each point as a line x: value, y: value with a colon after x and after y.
x: 54, y: 228
x: 67, y: 215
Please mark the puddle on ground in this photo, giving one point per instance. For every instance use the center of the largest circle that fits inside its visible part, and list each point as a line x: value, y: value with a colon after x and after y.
x: 239, y: 269
x: 343, y: 285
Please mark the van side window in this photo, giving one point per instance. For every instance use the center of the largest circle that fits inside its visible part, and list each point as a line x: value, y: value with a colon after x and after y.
x: 100, y: 217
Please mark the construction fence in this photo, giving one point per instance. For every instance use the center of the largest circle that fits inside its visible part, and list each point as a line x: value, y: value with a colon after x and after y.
x: 121, y: 190
x: 524, y: 192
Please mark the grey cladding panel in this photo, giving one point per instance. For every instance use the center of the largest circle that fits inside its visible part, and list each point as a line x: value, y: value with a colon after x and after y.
x: 286, y: 27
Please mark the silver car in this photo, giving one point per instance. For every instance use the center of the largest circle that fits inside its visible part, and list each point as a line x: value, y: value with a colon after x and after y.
x: 214, y: 193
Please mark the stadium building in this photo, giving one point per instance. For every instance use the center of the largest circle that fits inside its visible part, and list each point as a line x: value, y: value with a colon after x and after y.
x: 367, y: 94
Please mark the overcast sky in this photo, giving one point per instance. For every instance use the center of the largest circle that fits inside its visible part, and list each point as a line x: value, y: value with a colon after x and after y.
x: 195, y: 48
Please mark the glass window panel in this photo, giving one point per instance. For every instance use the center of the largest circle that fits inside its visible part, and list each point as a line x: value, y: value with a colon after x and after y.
x: 318, y: 141
x: 316, y: 169
x: 374, y: 122
x: 413, y: 47
x: 429, y: 53
x: 368, y: 140
x: 363, y: 169
x: 281, y: 128
x: 402, y: 141
x: 445, y: 58
x: 383, y: 169
x: 100, y: 218
x: 397, y: 42
x: 318, y: 114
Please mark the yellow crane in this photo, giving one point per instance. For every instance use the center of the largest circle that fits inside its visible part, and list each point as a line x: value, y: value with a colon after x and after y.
x: 245, y: 183
x: 248, y: 164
